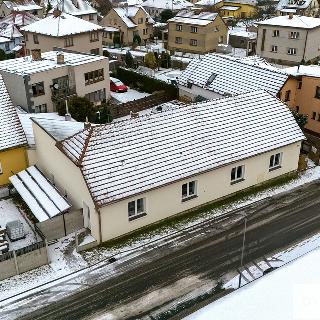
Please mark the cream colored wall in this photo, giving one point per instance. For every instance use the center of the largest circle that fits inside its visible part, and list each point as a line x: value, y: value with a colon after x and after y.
x: 166, y: 201
x: 313, y: 44
x: 140, y: 27
x: 81, y: 43
x: 32, y: 156
x: 67, y: 175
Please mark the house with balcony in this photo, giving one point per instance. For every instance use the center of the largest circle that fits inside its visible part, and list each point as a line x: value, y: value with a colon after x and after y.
x: 64, y: 31
x: 196, y: 33
x: 299, y: 7
x: 7, y: 7
x: 289, y: 40
x: 129, y: 174
x: 125, y: 24
x: 13, y: 157
x: 78, y: 8
x: 45, y: 79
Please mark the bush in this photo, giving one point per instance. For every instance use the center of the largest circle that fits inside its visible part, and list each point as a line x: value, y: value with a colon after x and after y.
x: 129, y: 60
x: 165, y: 60
x: 150, y: 60
x: 301, y: 119
x: 145, y: 83
x: 165, y: 15
x: 137, y: 39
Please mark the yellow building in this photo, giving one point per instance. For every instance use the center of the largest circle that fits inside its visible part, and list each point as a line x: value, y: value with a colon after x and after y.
x: 13, y: 157
x: 231, y: 9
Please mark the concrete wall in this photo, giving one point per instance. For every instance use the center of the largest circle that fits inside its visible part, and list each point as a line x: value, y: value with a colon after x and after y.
x: 54, y: 228
x: 25, y: 262
x: 191, y: 93
x: 81, y: 43
x: 164, y: 202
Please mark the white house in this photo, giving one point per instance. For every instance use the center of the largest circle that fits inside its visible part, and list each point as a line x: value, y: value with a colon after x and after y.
x: 137, y: 171
x: 215, y: 76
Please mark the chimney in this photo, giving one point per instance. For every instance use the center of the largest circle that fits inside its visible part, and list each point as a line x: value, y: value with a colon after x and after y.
x: 134, y: 115
x: 36, y: 54
x: 60, y: 58
x: 290, y: 15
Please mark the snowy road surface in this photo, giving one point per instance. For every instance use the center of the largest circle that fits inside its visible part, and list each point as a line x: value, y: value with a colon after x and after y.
x: 138, y: 285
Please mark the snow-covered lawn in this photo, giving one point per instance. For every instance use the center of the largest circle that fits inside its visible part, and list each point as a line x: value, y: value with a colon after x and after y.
x: 9, y: 212
x: 130, y: 95
x: 288, y: 293
x: 65, y: 260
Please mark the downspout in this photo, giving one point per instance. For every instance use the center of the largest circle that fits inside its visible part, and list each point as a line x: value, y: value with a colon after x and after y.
x: 100, y: 228
x: 304, y: 50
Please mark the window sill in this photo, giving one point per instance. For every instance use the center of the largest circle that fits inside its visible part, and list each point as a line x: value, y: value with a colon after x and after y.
x: 137, y: 216
x: 38, y: 95
x: 189, y: 198
x: 274, y: 168
x: 237, y: 181
x: 95, y: 40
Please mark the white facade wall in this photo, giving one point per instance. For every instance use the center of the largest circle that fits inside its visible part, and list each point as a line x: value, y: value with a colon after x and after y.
x: 195, y: 91
x: 164, y: 202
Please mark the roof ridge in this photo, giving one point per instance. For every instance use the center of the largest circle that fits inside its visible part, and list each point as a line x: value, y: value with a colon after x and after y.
x: 85, y: 146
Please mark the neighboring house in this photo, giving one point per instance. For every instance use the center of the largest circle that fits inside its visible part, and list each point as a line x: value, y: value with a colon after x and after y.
x: 196, y: 33
x: 63, y: 31
x: 303, y: 95
x: 42, y: 80
x: 7, y: 7
x: 289, y: 39
x: 230, y: 9
x: 300, y: 7
x: 243, y: 39
x: 13, y: 157
x: 125, y: 23
x: 155, y: 7
x: 216, y: 76
x: 78, y: 8
x: 131, y: 173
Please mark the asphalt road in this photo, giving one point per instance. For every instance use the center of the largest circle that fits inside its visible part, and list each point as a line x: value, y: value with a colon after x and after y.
x: 272, y: 224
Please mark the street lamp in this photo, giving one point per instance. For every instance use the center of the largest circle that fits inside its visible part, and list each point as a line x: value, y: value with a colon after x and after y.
x: 242, y: 249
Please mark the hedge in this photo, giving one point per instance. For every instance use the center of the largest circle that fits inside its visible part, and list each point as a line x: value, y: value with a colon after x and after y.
x: 145, y: 83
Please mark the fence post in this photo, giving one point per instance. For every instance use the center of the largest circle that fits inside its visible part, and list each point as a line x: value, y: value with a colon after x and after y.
x: 15, y: 261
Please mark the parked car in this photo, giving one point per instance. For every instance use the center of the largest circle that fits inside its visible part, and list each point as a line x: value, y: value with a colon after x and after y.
x: 117, y: 86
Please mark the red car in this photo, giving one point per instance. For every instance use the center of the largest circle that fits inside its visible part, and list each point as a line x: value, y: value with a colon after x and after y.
x: 117, y: 86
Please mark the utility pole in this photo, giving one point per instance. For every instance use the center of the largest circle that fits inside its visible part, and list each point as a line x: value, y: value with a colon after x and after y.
x: 242, y: 250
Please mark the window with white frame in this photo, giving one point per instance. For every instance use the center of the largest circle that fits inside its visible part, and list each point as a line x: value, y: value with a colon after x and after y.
x: 68, y: 41
x: 274, y: 48
x: 193, y: 42
x: 237, y: 174
x: 276, y: 33
x: 189, y: 190
x: 178, y: 40
x: 194, y: 29
x: 1, y: 172
x: 178, y: 27
x: 294, y: 35
x: 275, y: 161
x: 136, y: 209
x: 292, y: 51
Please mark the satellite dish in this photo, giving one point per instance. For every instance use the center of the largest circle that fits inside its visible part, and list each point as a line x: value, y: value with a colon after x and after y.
x: 56, y: 86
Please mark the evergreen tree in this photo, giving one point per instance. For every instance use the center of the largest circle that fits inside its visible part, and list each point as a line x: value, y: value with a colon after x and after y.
x: 129, y: 59
x: 165, y: 15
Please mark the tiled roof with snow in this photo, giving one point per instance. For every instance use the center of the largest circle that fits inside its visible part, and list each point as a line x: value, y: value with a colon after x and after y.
x: 61, y: 26
x: 22, y: 5
x: 302, y: 22
x: 20, y: 19
x: 190, y: 17
x: 167, y: 4
x: 9, y: 31
x: 11, y: 131
x: 226, y: 2
x: 26, y: 66
x: 129, y: 157
x: 232, y: 76
x: 312, y: 71
x: 73, y: 7
x: 298, y: 4
x: 126, y: 15
x: 58, y: 129
x: 243, y: 33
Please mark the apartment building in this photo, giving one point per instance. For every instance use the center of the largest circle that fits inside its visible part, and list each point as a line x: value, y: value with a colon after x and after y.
x: 126, y: 23
x: 289, y: 39
x: 196, y: 33
x: 44, y: 79
x: 64, y: 31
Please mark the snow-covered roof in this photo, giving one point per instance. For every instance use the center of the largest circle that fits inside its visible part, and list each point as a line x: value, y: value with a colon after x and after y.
x: 207, y: 2
x: 73, y: 7
x: 145, y: 151
x: 63, y: 25
x: 126, y: 15
x: 27, y: 66
x: 58, y: 129
x: 43, y: 199
x: 168, y: 4
x: 312, y: 71
x: 9, y: 30
x: 20, y: 19
x: 11, y: 131
x: 25, y: 119
x: 226, y: 3
x: 302, y: 22
x: 190, y: 17
x: 298, y: 4
x: 4, y: 39
x: 22, y: 5
x: 243, y: 33
x: 233, y: 76
x: 290, y: 292
x: 229, y: 8
x: 110, y: 29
